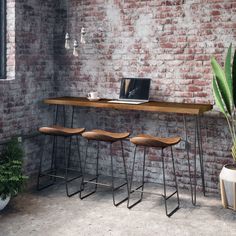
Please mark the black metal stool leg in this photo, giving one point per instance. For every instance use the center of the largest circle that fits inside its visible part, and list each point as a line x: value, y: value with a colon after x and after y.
x: 79, y: 155
x: 125, y: 169
x: 55, y: 159
x: 131, y: 182
x: 53, y: 152
x: 164, y: 181
x: 83, y: 172
x: 67, y: 160
x: 40, y: 165
x: 114, y: 189
x: 83, y: 182
x: 132, y: 173
x: 54, y: 148
x: 164, y: 184
x: 176, y: 184
x: 67, y: 180
x: 112, y: 175
x: 144, y: 161
x: 40, y: 174
x: 97, y: 159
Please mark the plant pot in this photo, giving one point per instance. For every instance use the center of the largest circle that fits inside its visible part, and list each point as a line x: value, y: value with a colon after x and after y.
x: 228, y: 186
x: 4, y: 202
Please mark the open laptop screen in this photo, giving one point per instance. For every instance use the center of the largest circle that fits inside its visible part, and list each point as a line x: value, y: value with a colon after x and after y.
x: 135, y: 88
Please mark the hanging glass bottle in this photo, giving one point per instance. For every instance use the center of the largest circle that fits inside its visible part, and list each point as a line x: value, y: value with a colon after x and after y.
x: 67, y: 41
x: 76, y: 49
x: 82, y: 35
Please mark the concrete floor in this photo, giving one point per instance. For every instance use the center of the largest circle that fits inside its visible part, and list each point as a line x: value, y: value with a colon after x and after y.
x: 50, y: 213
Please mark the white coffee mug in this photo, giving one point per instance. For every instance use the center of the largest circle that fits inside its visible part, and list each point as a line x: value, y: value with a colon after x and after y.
x: 93, y: 95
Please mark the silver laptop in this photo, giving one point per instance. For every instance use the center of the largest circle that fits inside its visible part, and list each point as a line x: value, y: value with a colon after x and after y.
x: 133, y: 91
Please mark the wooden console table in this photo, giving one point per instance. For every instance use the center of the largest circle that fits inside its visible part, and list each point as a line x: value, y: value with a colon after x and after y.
x: 153, y: 106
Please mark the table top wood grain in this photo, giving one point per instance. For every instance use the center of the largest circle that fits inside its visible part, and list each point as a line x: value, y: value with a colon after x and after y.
x: 152, y: 106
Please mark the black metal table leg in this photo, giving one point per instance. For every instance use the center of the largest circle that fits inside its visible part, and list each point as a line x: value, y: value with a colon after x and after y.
x: 188, y: 157
x: 195, y: 163
x: 200, y: 150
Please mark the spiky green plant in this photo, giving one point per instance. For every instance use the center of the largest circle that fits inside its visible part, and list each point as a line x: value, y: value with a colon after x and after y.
x: 224, y: 90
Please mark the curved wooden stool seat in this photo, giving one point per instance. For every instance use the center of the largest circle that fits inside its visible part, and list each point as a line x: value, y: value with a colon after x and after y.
x: 109, y: 137
x: 147, y: 141
x: 60, y: 131
x: 102, y: 135
x: 151, y: 141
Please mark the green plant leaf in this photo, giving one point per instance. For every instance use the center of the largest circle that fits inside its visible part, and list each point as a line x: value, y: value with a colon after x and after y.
x: 11, y: 176
x: 218, y: 99
x: 233, y: 150
x: 224, y: 90
x: 228, y: 69
x: 234, y: 77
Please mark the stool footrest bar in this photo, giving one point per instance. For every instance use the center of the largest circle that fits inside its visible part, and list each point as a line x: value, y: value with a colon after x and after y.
x: 118, y: 187
x: 94, y: 182
x: 140, y: 191
x: 60, y: 176
x: 76, y: 177
x: 43, y: 187
x: 135, y: 190
x: 55, y: 176
x: 170, y: 195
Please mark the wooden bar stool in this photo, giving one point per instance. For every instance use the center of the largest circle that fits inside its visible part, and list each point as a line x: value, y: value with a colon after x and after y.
x: 66, y: 133
x: 109, y: 137
x: 161, y: 143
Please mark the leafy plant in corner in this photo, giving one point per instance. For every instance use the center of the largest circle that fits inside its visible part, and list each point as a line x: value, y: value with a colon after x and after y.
x: 224, y: 90
x: 11, y: 176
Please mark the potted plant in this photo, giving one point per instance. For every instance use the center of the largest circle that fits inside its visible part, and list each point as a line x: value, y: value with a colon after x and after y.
x: 11, y: 177
x: 224, y: 90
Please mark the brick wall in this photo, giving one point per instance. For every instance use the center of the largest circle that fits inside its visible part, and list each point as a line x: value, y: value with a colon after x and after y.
x: 168, y: 41
x: 30, y: 72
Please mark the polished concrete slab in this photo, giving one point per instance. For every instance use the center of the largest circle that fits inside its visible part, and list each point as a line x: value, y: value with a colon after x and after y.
x: 51, y: 213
